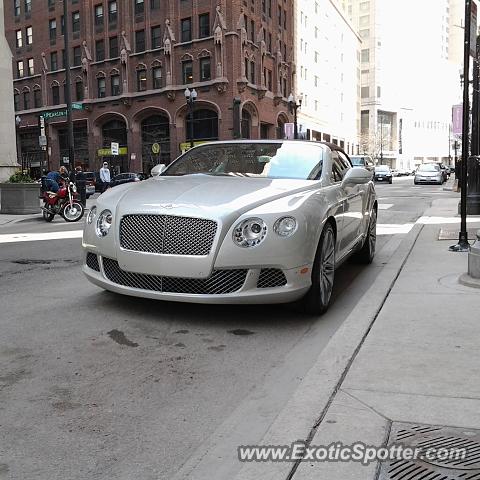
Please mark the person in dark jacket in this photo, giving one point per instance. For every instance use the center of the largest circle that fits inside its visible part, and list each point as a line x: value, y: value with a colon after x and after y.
x: 81, y: 183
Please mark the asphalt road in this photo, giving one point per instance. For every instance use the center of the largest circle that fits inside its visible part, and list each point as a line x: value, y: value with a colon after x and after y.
x: 94, y: 385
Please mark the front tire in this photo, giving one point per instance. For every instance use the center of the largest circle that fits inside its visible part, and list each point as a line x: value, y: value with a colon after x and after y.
x: 317, y: 299
x: 367, y: 252
x: 73, y: 212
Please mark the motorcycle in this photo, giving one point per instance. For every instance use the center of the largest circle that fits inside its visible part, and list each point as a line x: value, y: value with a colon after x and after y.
x: 63, y: 203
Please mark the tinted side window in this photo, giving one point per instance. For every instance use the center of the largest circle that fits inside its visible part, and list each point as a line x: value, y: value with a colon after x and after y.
x: 338, y: 168
x: 345, y: 162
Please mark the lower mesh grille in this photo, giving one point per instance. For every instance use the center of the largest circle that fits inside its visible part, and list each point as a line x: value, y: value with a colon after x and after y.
x: 220, y: 282
x: 92, y: 261
x: 271, y: 277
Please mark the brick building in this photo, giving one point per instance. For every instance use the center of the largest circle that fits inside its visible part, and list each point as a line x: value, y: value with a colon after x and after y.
x: 131, y: 62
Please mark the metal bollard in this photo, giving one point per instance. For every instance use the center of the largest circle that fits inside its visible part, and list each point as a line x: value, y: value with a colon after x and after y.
x: 474, y: 258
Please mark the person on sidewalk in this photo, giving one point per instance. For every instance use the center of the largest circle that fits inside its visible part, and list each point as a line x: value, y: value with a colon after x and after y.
x: 105, y: 176
x: 81, y: 183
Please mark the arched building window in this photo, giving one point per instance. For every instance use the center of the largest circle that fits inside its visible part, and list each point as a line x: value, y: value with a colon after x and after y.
x: 205, y: 125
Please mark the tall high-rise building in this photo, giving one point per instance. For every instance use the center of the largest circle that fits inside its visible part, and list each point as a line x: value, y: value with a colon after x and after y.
x: 327, y: 75
x: 131, y: 62
x: 409, y: 80
x: 8, y: 157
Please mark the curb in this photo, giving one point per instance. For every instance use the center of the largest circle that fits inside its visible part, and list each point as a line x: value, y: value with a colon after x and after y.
x: 468, y: 281
x: 308, y: 406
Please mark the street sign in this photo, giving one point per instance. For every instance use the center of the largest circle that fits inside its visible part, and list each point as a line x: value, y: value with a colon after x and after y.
x: 77, y: 106
x: 473, y: 30
x: 115, y: 147
x: 54, y: 114
x: 156, y: 148
x: 107, y: 152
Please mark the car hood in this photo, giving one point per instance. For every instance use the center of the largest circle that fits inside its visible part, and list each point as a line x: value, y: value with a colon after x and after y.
x: 207, y: 196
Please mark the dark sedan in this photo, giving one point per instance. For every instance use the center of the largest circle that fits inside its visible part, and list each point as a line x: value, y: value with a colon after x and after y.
x: 126, y: 178
x: 383, y: 174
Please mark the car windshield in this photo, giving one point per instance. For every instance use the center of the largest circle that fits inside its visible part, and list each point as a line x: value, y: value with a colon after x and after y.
x: 429, y: 168
x: 265, y: 160
x: 357, y: 161
x: 382, y: 168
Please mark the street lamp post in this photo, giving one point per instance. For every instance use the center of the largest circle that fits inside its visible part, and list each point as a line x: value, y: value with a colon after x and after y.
x: 191, y: 96
x: 380, y: 119
x: 68, y: 93
x: 18, y: 121
x: 293, y: 106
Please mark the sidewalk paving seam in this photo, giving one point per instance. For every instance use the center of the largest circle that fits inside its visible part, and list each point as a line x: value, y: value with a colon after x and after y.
x: 332, y: 396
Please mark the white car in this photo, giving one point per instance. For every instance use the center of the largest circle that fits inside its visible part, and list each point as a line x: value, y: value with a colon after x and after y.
x: 235, y: 222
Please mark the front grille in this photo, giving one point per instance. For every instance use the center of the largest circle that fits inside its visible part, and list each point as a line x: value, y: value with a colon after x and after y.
x: 220, y: 282
x: 92, y: 261
x: 167, y: 234
x: 271, y: 277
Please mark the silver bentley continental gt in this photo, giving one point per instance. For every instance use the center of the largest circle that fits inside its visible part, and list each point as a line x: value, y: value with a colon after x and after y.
x: 235, y: 222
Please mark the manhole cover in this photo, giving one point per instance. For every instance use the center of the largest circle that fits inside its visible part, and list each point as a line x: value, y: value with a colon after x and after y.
x: 446, y: 453
x: 452, y: 234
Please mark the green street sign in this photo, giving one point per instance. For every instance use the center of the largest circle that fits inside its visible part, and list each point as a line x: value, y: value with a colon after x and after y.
x: 77, y: 106
x: 54, y: 114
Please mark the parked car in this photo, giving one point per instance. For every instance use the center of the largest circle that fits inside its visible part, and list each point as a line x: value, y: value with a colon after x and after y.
x: 383, y: 174
x: 445, y: 172
x: 126, y: 178
x: 365, y: 161
x: 235, y: 222
x: 91, y: 183
x: 429, y: 173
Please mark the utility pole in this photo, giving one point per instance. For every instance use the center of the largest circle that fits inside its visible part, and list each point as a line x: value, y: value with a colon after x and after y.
x: 68, y: 93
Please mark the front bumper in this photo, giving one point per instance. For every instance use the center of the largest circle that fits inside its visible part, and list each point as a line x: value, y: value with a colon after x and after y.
x: 434, y: 180
x: 250, y: 285
x: 382, y: 178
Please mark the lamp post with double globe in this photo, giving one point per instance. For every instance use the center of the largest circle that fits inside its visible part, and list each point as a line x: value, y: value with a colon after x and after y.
x: 293, y: 106
x: 190, y: 96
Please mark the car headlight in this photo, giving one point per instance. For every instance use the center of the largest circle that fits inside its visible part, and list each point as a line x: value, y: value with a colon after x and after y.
x: 250, y: 232
x: 104, y: 222
x: 285, y: 226
x: 91, y: 215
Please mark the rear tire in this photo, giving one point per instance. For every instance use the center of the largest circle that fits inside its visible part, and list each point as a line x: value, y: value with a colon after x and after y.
x: 367, y: 252
x: 317, y: 299
x: 47, y: 216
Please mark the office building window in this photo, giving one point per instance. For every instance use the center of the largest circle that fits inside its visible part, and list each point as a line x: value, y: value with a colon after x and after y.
x: 52, y: 26
x: 79, y: 91
x: 26, y: 100
x: 53, y: 61
x: 16, y: 101
x: 365, y: 55
x: 365, y: 92
x: 115, y: 85
x: 112, y: 11
x: 75, y: 22
x: 16, y: 8
x: 141, y: 80
x: 20, y: 69
x: 28, y: 6
x: 186, y: 30
x: 140, y: 41
x: 156, y: 37
x: 204, y: 25
x: 154, y: 4
x: 99, y: 14
x: 205, y: 69
x: 113, y: 47
x: 252, y: 72
x: 139, y: 6
x: 19, y: 39
x: 77, y: 56
x: 99, y: 50
x: 29, y: 35
x: 37, y: 98
x: 187, y: 72
x: 101, y: 87
x: 157, y: 77
x: 55, y: 94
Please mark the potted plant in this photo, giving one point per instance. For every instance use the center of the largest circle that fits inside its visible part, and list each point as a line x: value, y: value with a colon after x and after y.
x: 20, y: 195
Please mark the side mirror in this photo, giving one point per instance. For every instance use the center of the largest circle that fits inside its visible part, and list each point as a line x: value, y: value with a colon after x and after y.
x: 158, y: 169
x: 357, y: 176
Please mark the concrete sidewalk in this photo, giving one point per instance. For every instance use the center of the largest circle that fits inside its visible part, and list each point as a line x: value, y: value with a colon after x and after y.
x: 416, y: 370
